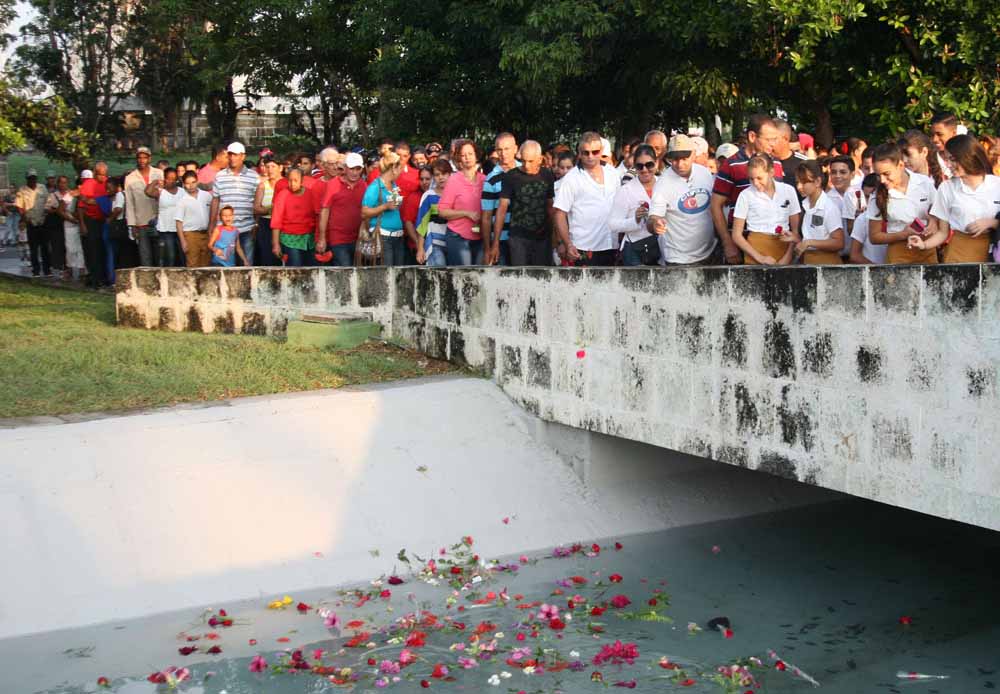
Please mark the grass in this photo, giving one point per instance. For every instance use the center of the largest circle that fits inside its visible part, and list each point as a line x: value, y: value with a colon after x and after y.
x: 18, y: 163
x: 61, y: 353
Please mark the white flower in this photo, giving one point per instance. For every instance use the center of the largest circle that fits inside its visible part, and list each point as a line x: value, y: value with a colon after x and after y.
x: 494, y: 680
x: 568, y: 617
x: 498, y: 635
x: 530, y: 670
x: 574, y: 654
x: 506, y: 675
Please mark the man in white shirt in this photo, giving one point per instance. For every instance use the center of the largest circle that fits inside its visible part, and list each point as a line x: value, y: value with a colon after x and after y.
x: 582, y: 206
x: 679, y: 212
x: 191, y: 219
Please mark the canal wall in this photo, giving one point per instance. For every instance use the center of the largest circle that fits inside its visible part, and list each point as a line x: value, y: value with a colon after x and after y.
x: 879, y: 382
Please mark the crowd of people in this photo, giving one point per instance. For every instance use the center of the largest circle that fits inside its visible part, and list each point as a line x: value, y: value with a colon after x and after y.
x: 773, y: 197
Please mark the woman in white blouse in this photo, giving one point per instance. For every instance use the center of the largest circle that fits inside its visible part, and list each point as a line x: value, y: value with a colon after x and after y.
x: 902, y: 204
x: 965, y: 209
x: 770, y: 210
x: 630, y: 210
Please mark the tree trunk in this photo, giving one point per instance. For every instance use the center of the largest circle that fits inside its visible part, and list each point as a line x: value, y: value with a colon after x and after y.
x: 824, y: 126
x: 712, y: 133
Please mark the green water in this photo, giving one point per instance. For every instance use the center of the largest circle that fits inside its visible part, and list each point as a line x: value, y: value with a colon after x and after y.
x: 824, y: 587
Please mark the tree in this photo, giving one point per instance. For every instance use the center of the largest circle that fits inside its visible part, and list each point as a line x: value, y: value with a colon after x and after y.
x: 47, y: 123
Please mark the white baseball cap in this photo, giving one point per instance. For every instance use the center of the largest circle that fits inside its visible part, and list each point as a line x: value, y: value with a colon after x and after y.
x: 236, y: 148
x: 353, y: 159
x: 726, y: 150
x: 86, y: 173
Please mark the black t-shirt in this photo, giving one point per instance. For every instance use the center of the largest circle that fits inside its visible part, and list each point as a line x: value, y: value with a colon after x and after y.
x: 529, y: 195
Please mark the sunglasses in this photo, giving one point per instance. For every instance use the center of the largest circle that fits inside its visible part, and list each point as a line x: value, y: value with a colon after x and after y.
x: 591, y: 152
x: 640, y: 165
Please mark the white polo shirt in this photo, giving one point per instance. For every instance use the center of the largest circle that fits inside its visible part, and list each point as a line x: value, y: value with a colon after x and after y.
x: 192, y: 211
x: 684, y: 203
x: 960, y: 205
x: 875, y: 252
x: 588, y: 204
x: 821, y: 220
x: 764, y: 213
x: 903, y: 208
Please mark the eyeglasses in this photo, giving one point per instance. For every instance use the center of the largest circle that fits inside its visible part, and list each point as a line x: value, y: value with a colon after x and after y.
x: 591, y: 152
x: 640, y: 165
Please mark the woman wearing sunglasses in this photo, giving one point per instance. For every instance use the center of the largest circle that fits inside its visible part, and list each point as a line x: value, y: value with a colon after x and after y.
x: 630, y: 211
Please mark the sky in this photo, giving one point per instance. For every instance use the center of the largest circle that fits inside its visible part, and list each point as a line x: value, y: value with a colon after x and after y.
x: 24, y: 13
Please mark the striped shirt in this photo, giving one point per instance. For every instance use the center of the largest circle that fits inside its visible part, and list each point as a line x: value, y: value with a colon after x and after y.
x: 491, y: 197
x: 237, y: 191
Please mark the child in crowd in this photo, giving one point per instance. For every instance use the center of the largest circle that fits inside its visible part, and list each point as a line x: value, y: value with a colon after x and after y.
x: 902, y: 205
x: 863, y: 251
x: 822, y: 229
x: 224, y: 241
x: 770, y: 210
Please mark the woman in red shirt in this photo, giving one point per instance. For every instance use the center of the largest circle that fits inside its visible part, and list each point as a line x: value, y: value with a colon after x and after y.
x: 293, y: 222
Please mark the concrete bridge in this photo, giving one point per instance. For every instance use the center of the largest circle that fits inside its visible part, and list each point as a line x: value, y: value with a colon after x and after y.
x: 879, y: 382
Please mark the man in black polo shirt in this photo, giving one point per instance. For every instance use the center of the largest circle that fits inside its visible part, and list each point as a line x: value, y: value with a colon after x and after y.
x: 527, y: 193
x: 783, y: 152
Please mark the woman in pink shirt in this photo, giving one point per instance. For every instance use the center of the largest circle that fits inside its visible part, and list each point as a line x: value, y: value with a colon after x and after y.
x: 461, y: 205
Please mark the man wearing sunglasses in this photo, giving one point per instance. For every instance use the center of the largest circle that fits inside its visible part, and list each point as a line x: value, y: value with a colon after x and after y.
x: 679, y: 211
x: 582, y: 206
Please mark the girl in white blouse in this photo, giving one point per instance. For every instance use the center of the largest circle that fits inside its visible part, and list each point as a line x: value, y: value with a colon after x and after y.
x: 822, y: 227
x: 770, y: 211
x: 631, y: 207
x: 966, y: 206
x: 902, y: 205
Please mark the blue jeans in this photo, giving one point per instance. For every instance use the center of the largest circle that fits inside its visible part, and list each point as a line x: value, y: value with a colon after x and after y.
x: 437, y: 257
x: 343, y: 254
x: 298, y: 257
x: 170, y: 250
x: 110, y: 253
x: 463, y: 251
x: 629, y: 257
x: 393, y: 250
x: 247, y: 243
x: 265, y: 254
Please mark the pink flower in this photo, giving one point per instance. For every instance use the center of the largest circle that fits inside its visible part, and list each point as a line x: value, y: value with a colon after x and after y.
x: 395, y: 581
x: 467, y: 663
x: 388, y: 667
x: 620, y: 601
x: 406, y: 657
x: 318, y: 654
x: 258, y: 664
x: 330, y: 619
x: 548, y: 612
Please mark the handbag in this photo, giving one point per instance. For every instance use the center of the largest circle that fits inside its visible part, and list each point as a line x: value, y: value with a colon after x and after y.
x: 648, y: 250
x: 368, y: 250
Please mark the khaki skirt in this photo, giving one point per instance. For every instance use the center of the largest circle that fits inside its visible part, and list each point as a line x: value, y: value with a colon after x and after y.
x: 963, y: 248
x: 900, y: 254
x: 765, y: 244
x: 822, y: 258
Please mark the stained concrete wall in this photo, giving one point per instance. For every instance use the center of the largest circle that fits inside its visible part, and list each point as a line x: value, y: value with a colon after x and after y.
x: 880, y: 382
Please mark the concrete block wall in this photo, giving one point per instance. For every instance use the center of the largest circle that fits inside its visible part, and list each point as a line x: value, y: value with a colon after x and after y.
x: 880, y: 382
x: 248, y: 301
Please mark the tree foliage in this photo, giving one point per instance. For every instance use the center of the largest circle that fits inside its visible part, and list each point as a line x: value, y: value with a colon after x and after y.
x: 441, y: 68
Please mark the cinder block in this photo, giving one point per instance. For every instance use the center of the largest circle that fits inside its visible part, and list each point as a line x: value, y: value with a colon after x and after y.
x: 340, y: 335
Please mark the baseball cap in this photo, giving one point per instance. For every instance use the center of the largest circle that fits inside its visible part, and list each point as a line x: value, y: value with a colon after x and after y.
x: 806, y: 141
x: 434, y: 148
x: 86, y: 173
x: 680, y: 144
x: 31, y: 173
x: 143, y: 150
x: 605, y: 147
x: 726, y: 150
x: 266, y: 152
x: 353, y: 159
x: 700, y: 145
x: 236, y: 148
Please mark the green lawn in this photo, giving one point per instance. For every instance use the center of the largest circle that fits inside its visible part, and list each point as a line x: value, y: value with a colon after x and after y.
x: 60, y: 352
x: 18, y: 163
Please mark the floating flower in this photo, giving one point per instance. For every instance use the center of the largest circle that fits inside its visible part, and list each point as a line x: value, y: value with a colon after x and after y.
x: 467, y: 663
x: 440, y: 671
x: 318, y: 654
x: 187, y: 650
x: 416, y: 639
x: 596, y: 611
x: 620, y: 601
x: 103, y: 682
x: 494, y: 680
x: 395, y: 581
x: 905, y: 620
x: 618, y: 546
x: 388, y: 667
x: 557, y: 624
x: 615, y: 578
x: 214, y: 650
x: 617, y: 653
x: 302, y: 607
x: 258, y: 664
x: 425, y: 684
x: 628, y: 684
